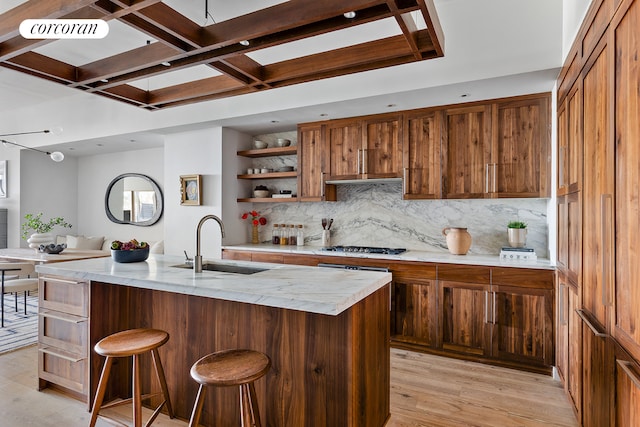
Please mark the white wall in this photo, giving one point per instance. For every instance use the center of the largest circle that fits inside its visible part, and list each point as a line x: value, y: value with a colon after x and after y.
x: 47, y: 187
x: 93, y: 177
x: 12, y: 201
x: 189, y: 153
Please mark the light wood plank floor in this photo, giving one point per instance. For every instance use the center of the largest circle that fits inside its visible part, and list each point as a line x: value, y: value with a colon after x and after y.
x: 426, y: 391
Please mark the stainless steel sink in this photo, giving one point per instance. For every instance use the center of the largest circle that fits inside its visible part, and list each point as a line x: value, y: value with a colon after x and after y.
x: 224, y: 268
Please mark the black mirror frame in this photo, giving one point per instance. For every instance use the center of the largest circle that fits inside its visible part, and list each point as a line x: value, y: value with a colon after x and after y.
x: 159, y: 201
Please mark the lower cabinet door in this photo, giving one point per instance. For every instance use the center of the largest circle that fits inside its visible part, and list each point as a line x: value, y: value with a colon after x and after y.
x: 523, y: 325
x: 597, y: 365
x: 413, y: 311
x: 627, y: 372
x: 573, y: 379
x: 463, y: 322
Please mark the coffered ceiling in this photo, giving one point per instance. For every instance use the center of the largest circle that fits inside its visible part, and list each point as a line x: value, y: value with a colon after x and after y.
x: 160, y: 54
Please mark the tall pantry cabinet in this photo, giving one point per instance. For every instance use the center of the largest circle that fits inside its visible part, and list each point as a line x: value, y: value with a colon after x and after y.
x: 604, y: 72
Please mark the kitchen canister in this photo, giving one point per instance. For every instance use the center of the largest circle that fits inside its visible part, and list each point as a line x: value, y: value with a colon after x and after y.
x: 458, y: 240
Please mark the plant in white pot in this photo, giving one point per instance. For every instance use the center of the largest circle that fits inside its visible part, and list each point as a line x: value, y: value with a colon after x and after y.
x: 517, y: 234
x: 37, y: 232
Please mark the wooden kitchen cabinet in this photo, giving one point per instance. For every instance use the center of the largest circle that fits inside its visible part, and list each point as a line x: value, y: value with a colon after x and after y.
x: 569, y: 341
x: 597, y: 188
x: 413, y: 306
x: 63, y: 346
x: 569, y: 242
x: 520, y: 154
x: 344, y: 145
x: 597, y: 374
x: 627, y: 393
x: 422, y: 176
x: 312, y: 160
x: 463, y: 317
x: 466, y: 152
x: 523, y: 318
x: 363, y: 148
x: 626, y: 302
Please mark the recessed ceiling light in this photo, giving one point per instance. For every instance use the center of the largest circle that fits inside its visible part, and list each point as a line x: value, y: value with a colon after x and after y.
x: 244, y: 42
x: 349, y: 15
x: 166, y: 63
x: 104, y: 80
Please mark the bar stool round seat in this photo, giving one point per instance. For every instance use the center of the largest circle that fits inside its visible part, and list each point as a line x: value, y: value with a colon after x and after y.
x: 132, y: 343
x: 237, y: 367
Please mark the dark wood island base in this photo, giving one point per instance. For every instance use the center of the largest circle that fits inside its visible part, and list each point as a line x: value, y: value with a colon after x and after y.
x: 327, y: 370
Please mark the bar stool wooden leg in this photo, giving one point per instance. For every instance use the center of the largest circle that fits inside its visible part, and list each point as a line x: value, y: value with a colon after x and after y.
x: 137, y: 403
x: 102, y: 387
x: 162, y: 380
x: 197, y: 408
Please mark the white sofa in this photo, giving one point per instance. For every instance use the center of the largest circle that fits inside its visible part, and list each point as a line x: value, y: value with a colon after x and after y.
x: 102, y: 243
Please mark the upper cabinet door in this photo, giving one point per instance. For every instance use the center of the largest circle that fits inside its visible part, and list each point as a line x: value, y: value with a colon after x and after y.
x: 382, y: 147
x: 521, y: 142
x: 312, y: 157
x: 344, y: 142
x: 466, y: 156
x: 422, y: 176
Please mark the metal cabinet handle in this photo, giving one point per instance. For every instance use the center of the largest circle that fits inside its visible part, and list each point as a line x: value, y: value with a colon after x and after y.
x: 358, y: 162
x: 486, y: 177
x: 365, y: 168
x: 495, y: 296
x: 561, y: 154
x: 321, y: 184
x: 495, y: 182
x: 55, y: 279
x: 605, y: 235
x: 69, y: 318
x: 561, y: 311
x: 405, y: 177
x: 486, y: 306
x: 590, y: 325
x: 48, y: 350
x: 626, y: 367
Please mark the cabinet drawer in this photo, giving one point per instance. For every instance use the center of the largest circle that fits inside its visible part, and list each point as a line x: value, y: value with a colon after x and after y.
x: 523, y: 278
x: 65, y: 295
x: 464, y: 273
x: 63, y: 369
x: 63, y: 331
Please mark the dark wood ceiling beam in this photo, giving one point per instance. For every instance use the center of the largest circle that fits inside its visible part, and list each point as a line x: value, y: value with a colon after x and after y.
x: 42, y: 65
x: 407, y: 26
x: 241, y: 91
x: 128, y: 93
x: 126, y: 62
x: 209, y: 86
x: 363, y: 53
x: 36, y: 9
x: 244, y: 65
x: 173, y: 23
x: 117, y: 9
x: 142, y: 25
x: 433, y: 25
x: 275, y: 19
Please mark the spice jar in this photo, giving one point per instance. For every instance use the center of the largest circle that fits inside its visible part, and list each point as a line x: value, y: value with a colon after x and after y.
x: 275, y: 235
x: 300, y: 236
x: 284, y: 234
x: 293, y: 236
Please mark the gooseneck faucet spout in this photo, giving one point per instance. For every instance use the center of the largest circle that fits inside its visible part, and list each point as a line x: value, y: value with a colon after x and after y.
x: 197, y: 262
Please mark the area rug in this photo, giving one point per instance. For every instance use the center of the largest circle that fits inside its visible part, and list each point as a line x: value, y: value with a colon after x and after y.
x: 19, y: 330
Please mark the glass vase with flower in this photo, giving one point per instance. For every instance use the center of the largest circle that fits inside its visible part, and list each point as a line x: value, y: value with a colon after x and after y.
x: 256, y: 220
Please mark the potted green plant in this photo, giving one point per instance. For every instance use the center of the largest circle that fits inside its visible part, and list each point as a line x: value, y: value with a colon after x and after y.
x: 39, y: 229
x: 517, y: 231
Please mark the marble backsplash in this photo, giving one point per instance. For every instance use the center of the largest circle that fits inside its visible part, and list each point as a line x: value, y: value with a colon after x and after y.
x: 376, y: 215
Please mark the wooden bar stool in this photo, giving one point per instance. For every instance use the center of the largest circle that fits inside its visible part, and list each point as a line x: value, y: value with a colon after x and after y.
x: 229, y: 368
x: 132, y: 342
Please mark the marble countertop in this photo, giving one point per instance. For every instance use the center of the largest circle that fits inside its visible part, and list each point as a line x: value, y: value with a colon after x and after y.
x: 311, y: 289
x: 409, y: 255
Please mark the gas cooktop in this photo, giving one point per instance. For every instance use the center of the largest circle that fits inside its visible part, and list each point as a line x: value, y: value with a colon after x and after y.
x: 365, y: 250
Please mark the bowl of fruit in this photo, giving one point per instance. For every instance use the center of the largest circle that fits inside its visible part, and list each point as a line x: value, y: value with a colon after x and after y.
x: 131, y: 251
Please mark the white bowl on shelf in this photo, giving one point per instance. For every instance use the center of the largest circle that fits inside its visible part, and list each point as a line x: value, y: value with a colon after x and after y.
x: 281, y: 142
x: 260, y: 144
x: 259, y: 194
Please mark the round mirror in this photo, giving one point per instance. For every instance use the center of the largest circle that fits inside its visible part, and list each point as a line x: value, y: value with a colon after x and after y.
x: 133, y: 198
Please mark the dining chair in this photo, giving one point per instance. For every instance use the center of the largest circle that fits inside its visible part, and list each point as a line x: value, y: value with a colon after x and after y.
x: 17, y: 277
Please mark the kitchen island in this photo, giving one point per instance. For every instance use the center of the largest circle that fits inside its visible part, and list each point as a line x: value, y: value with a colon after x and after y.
x: 325, y: 330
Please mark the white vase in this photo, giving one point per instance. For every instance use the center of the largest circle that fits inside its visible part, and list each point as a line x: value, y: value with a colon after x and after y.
x: 38, y: 239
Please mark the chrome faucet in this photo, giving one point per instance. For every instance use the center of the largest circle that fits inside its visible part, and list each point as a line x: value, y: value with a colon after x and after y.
x: 197, y: 264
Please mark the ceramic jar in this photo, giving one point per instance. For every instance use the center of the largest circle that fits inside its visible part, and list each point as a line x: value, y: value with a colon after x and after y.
x: 458, y: 240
